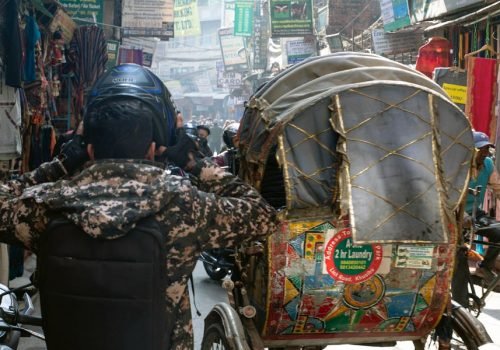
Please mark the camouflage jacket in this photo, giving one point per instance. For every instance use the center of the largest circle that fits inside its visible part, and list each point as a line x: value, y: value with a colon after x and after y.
x: 107, y: 199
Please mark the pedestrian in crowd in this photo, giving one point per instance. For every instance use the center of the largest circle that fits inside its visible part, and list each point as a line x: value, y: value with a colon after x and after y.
x: 120, y: 145
x: 203, y: 132
x: 482, y: 171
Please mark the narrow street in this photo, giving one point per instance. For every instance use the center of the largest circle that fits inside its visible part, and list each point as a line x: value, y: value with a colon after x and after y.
x: 209, y: 292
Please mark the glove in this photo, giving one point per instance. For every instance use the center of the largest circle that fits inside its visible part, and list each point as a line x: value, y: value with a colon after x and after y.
x: 179, y: 153
x: 73, y: 154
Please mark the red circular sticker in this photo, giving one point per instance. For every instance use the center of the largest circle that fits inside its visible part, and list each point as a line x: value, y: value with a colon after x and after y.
x: 351, y: 263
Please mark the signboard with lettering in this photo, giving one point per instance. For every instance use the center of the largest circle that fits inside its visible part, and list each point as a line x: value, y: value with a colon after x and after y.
x: 230, y: 80
x: 228, y: 13
x: 261, y: 41
x: 113, y: 46
x: 395, y: 14
x: 350, y: 263
x: 299, y: 50
x: 152, y: 18
x: 186, y: 18
x: 291, y: 18
x: 421, y: 10
x: 86, y: 10
x: 233, y: 51
x: 243, y: 18
x: 393, y: 43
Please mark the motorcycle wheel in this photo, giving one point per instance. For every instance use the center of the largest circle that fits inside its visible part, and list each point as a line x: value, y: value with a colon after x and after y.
x: 214, y: 338
x: 215, y: 273
x: 468, y: 333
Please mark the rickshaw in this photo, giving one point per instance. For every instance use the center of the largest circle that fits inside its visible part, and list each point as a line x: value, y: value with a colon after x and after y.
x: 368, y: 163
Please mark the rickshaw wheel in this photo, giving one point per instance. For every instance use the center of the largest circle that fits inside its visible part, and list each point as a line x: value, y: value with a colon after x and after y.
x: 215, y: 338
x: 468, y: 333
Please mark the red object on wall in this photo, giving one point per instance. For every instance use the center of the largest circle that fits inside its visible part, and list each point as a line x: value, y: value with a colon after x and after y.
x: 435, y: 53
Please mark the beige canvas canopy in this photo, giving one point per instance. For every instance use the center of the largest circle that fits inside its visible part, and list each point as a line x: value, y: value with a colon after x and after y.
x: 361, y: 136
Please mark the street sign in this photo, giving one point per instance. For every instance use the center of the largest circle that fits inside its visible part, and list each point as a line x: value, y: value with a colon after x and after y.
x: 261, y: 41
x: 395, y: 14
x: 233, y: 50
x: 299, y: 50
x: 186, y: 18
x: 86, y: 10
x: 243, y: 18
x: 154, y: 18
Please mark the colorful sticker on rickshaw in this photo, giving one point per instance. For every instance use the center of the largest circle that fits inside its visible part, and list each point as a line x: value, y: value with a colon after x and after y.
x: 351, y: 263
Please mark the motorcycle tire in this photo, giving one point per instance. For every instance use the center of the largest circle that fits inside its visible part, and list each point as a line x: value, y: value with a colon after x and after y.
x: 215, y: 273
x: 468, y: 333
x: 214, y: 338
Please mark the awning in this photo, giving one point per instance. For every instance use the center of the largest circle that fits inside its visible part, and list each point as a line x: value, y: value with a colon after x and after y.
x: 474, y: 17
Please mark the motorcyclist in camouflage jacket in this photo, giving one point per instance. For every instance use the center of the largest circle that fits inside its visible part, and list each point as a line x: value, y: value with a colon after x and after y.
x: 123, y: 185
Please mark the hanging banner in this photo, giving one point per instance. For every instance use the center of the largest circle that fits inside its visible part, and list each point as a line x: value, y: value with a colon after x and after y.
x: 394, y: 43
x: 395, y: 14
x: 113, y: 46
x: 187, y: 20
x: 422, y: 10
x: 233, y: 50
x: 243, y: 18
x: 299, y: 50
x: 85, y: 10
x: 291, y: 18
x: 261, y: 40
x: 152, y: 18
x: 228, y: 15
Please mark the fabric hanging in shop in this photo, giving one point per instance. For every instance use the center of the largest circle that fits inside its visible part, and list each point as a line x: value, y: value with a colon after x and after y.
x: 32, y: 36
x: 10, y: 122
x: 13, y: 47
x: 88, y: 51
x: 130, y: 56
x: 481, y: 94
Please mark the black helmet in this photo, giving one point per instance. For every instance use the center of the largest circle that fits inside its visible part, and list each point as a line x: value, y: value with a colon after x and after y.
x: 230, y: 131
x: 191, y: 129
x: 136, y: 82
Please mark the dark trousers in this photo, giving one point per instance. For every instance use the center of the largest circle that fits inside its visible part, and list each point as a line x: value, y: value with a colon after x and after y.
x: 493, y: 235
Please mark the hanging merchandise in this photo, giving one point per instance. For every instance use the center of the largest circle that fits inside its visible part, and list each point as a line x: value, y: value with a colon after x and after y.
x: 482, y: 84
x: 481, y: 93
x: 32, y: 37
x: 10, y: 120
x: 89, y: 54
x: 435, y: 53
x: 130, y: 56
x: 13, y: 49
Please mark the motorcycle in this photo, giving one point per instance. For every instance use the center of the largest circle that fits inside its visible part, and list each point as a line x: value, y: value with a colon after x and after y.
x: 13, y: 317
x: 218, y: 263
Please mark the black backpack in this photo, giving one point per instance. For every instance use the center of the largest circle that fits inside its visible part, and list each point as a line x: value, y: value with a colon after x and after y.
x: 103, y: 294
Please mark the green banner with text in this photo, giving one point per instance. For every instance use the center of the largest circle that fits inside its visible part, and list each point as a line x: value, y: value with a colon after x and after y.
x: 85, y: 10
x: 243, y: 18
x: 291, y: 18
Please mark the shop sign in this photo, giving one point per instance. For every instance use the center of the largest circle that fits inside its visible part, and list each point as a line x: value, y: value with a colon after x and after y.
x: 422, y: 10
x: 243, y: 18
x: 350, y: 263
x: 152, y: 18
x: 457, y: 93
x: 299, y: 50
x: 291, y: 18
x: 231, y: 80
x: 186, y: 18
x: 261, y: 41
x: 113, y: 46
x: 232, y: 48
x: 85, y: 10
x: 395, y: 14
x: 228, y: 14
x: 393, y: 43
